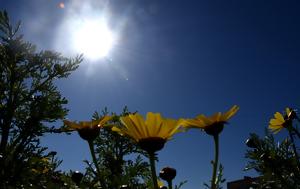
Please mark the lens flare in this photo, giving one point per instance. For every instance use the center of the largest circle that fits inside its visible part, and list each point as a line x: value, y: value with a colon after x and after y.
x: 94, y: 39
x: 61, y: 5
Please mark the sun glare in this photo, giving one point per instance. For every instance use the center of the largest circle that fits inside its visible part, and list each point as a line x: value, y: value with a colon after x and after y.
x: 94, y: 39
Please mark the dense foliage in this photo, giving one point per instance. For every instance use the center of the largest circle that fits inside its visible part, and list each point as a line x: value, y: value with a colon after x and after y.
x: 29, y: 103
x: 277, y: 163
x: 113, y: 152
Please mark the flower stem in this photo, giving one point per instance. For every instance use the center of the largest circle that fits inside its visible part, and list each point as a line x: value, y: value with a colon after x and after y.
x: 153, y: 171
x: 92, y: 150
x: 296, y: 132
x: 170, y: 184
x: 294, y: 149
x: 215, y: 164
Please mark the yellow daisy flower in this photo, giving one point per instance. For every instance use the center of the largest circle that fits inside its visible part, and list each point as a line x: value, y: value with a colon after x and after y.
x: 160, y: 183
x: 88, y: 130
x: 279, y: 121
x: 152, y: 133
x: 212, y: 125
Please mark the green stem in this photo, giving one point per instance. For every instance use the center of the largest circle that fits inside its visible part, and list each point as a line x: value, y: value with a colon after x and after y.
x: 170, y: 184
x: 296, y: 131
x: 215, y: 164
x: 153, y: 171
x: 294, y: 149
x: 92, y: 150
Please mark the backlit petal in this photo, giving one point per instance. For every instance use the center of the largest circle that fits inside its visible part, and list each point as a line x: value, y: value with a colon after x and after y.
x: 153, y: 123
x: 165, y: 128
x: 276, y: 128
x: 116, y: 129
x: 139, y: 123
x: 154, y: 126
x: 171, y: 126
x: 84, y: 124
x: 130, y: 125
x: 230, y: 113
x: 104, y: 120
x: 279, y: 116
x: 207, y: 121
x: 276, y: 122
x: 216, y: 117
x: 71, y: 125
x: 193, y: 123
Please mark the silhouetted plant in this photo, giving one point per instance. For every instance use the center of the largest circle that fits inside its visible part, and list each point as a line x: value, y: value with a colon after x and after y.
x: 275, y: 162
x: 29, y: 102
x: 117, y: 159
x: 213, y: 126
x: 149, y: 134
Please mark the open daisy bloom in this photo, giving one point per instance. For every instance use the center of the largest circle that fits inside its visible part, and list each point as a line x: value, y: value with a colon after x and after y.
x: 212, y: 125
x: 88, y: 130
x: 152, y: 133
x: 279, y: 121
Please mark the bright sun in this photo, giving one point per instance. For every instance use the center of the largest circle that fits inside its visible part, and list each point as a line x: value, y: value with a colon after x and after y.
x: 94, y: 39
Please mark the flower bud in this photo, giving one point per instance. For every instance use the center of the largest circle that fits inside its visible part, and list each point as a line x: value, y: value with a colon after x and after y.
x: 292, y: 115
x: 77, y: 177
x: 89, y: 133
x: 167, y: 174
x: 251, y: 143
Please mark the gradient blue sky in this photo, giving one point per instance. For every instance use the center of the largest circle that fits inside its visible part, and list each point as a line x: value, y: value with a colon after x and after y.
x: 180, y: 58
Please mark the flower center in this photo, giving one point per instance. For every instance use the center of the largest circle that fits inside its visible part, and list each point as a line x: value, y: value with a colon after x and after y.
x: 167, y: 174
x: 152, y: 144
x: 215, y: 129
x: 89, y: 133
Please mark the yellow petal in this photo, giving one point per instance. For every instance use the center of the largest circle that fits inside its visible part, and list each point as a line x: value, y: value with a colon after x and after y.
x: 94, y: 123
x: 104, y: 120
x: 275, y: 128
x: 130, y: 126
x: 192, y: 123
x: 138, y: 124
x: 205, y: 120
x: 276, y: 122
x: 165, y: 129
x: 116, y: 129
x: 153, y: 119
x: 289, y: 112
x: 153, y: 123
x: 85, y: 124
x: 160, y: 183
x: 279, y: 116
x: 124, y: 132
x: 171, y: 127
x: 216, y: 117
x: 136, y: 127
x: 230, y: 113
x: 71, y: 124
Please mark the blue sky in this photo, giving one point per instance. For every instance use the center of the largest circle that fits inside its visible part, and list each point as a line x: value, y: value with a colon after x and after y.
x: 180, y: 59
